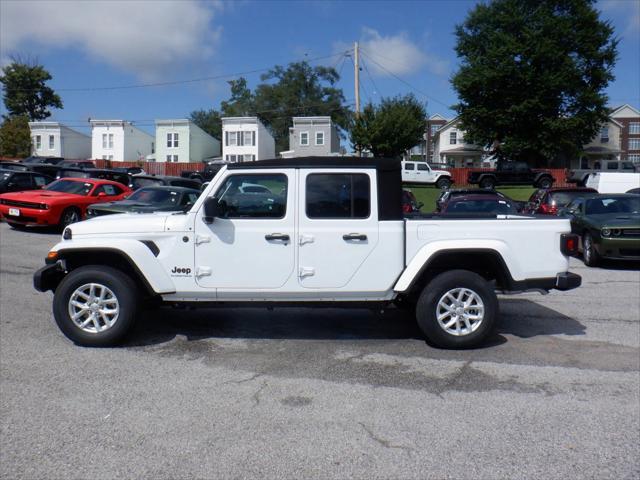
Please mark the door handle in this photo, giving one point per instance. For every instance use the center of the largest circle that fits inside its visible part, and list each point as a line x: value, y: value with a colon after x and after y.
x: 354, y: 236
x: 277, y: 236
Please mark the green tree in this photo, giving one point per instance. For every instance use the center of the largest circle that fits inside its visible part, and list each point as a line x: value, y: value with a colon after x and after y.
x: 242, y: 101
x: 209, y: 121
x: 390, y: 128
x: 15, y: 137
x: 532, y: 76
x: 26, y: 92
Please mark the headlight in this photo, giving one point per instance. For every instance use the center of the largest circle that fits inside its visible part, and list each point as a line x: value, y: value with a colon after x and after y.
x: 67, y: 235
x: 616, y: 232
x: 605, y: 232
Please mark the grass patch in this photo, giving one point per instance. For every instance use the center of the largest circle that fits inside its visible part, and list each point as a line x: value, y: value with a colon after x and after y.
x: 429, y: 195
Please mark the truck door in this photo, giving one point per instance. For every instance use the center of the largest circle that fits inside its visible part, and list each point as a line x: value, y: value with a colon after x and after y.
x: 408, y: 172
x: 251, y: 244
x: 337, y: 226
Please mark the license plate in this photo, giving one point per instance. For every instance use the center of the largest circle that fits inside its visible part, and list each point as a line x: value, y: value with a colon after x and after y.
x: 14, y: 212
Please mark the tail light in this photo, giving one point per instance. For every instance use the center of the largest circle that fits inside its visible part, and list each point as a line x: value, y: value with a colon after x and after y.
x: 549, y: 209
x: 569, y: 244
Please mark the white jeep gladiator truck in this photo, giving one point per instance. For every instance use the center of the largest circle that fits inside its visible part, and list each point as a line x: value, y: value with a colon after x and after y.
x: 303, y: 232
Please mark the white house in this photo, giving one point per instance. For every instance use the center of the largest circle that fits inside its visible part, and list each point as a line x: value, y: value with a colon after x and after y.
x: 604, y: 146
x: 246, y: 139
x: 120, y: 141
x: 52, y: 139
x: 183, y: 141
x: 450, y: 148
x: 312, y: 136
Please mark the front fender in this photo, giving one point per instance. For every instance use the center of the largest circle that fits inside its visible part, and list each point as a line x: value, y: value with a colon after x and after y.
x: 430, y: 251
x: 138, y: 255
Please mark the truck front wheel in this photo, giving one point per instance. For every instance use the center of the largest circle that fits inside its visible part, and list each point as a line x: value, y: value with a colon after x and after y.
x: 545, y: 182
x: 95, y: 306
x: 487, y: 183
x: 457, y: 309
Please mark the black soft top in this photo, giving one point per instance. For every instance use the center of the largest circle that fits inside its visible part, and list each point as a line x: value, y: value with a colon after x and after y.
x: 388, y: 175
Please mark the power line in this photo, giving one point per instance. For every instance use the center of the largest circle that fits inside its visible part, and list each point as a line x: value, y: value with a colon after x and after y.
x: 404, y: 81
x: 366, y: 69
x: 181, y: 82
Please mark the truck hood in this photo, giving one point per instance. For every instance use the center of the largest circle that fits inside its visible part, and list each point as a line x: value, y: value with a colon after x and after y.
x: 122, y: 223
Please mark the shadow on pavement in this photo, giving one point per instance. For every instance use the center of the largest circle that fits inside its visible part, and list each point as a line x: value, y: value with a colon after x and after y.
x: 519, y: 317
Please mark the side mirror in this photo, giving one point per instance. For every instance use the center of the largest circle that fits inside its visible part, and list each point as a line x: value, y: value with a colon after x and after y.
x: 211, y: 209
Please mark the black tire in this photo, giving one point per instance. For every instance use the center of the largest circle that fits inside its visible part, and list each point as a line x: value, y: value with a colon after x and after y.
x: 590, y: 255
x: 69, y: 216
x: 545, y: 182
x: 124, y: 290
x: 428, y: 306
x: 443, y: 183
x: 487, y: 183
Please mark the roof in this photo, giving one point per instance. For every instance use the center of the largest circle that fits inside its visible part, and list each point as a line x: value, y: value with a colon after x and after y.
x: 97, y: 181
x: 321, y: 162
x: 170, y: 188
x: 622, y: 107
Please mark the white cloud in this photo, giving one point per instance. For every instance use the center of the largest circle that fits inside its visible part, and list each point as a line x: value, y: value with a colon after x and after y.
x: 630, y: 9
x: 398, y: 54
x: 144, y: 37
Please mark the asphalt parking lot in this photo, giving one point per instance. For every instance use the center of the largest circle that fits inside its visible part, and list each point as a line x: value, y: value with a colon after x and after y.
x: 290, y: 393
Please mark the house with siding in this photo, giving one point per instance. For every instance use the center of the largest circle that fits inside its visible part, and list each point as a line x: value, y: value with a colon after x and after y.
x: 628, y: 118
x: 312, y: 136
x: 603, y: 147
x: 246, y: 139
x: 183, y: 141
x: 119, y: 141
x: 53, y: 139
x: 450, y: 148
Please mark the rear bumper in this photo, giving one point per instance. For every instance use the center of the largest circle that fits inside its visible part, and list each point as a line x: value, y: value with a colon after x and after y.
x: 562, y: 281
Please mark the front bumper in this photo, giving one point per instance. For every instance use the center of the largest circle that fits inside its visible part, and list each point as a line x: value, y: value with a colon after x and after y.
x: 28, y: 216
x: 618, y: 248
x: 48, y: 277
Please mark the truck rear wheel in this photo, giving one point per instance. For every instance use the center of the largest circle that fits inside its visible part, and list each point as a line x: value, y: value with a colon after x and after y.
x: 457, y: 309
x: 545, y: 182
x: 95, y: 306
x: 443, y: 183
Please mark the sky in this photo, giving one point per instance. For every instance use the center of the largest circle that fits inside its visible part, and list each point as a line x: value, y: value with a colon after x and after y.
x: 177, y: 56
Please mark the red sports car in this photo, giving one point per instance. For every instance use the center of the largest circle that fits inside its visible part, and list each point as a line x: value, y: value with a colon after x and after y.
x: 60, y: 203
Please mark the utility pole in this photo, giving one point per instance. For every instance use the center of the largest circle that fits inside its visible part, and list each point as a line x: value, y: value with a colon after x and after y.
x: 356, y: 76
x: 356, y: 64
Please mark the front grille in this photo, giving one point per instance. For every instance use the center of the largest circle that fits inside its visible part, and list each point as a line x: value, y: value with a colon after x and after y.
x: 20, y: 219
x: 630, y: 252
x: 15, y: 203
x: 631, y: 232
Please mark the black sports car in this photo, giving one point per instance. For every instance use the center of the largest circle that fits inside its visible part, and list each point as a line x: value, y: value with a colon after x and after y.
x: 147, y: 200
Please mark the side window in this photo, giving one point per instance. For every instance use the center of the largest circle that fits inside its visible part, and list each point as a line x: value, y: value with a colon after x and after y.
x: 612, y: 165
x: 253, y: 196
x: 337, y: 195
x: 39, y: 180
x: 409, y: 166
x: 422, y: 167
x: 21, y: 180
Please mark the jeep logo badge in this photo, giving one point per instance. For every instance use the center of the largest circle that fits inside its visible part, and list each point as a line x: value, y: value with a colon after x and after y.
x: 181, y: 270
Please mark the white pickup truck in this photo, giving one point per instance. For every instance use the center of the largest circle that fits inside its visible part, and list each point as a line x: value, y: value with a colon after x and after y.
x: 303, y: 232
x: 422, y: 173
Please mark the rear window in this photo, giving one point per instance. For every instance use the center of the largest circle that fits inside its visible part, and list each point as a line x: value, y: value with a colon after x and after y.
x: 482, y: 206
x: 338, y: 195
x: 145, y: 182
x: 562, y: 199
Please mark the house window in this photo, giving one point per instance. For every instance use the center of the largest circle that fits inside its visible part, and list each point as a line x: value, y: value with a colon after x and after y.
x: 104, y: 157
x: 38, y: 142
x: 304, y: 138
x: 249, y: 158
x: 635, y: 158
x: 634, y: 144
x: 52, y: 142
x: 634, y: 128
x: 153, y: 147
x: 172, y: 158
x: 604, y: 134
x: 248, y: 138
x: 434, y: 129
x: 319, y: 138
x: 110, y: 143
x: 172, y: 140
x: 232, y: 158
x: 104, y: 140
x: 453, y: 138
x: 232, y: 138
